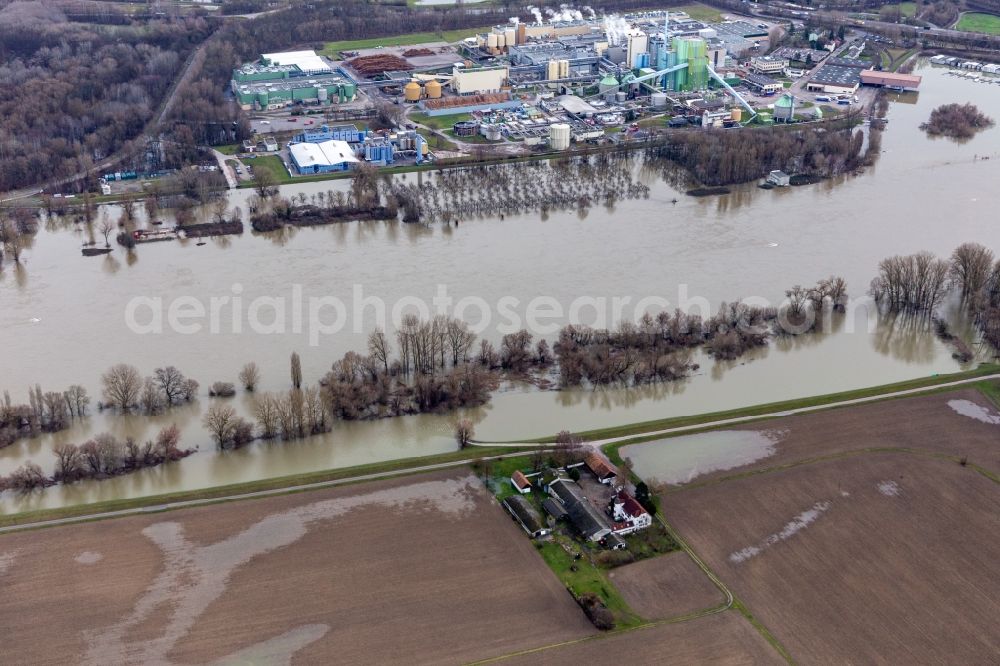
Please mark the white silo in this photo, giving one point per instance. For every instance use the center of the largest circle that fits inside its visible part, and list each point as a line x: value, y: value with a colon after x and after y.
x: 559, y: 136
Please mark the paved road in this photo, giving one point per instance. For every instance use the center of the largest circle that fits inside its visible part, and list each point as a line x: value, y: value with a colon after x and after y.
x: 598, y: 443
x: 183, y: 504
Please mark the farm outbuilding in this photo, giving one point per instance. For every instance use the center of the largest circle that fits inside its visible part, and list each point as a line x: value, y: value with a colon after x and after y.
x: 526, y: 515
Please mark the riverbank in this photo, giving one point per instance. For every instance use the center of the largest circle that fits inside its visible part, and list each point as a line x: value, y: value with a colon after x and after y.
x: 765, y: 410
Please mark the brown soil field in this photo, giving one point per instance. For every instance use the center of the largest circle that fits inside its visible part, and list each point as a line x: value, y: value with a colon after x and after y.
x: 722, y: 639
x: 925, y: 422
x: 422, y: 569
x: 876, y: 559
x: 666, y: 586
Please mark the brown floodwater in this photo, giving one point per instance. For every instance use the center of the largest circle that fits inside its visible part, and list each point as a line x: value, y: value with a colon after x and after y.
x: 62, y: 316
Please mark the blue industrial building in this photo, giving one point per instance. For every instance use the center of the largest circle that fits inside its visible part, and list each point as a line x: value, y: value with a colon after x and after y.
x: 348, y: 133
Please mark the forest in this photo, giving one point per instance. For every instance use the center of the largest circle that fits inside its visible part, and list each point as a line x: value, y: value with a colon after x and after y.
x: 77, y: 92
x: 721, y: 157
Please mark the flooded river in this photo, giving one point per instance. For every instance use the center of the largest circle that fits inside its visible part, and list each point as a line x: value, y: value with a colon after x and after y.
x: 62, y: 317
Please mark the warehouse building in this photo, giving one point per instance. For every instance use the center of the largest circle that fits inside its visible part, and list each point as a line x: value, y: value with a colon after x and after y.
x: 478, y: 80
x: 895, y: 80
x: 277, y: 80
x: 325, y: 157
x: 765, y: 85
x: 835, y: 79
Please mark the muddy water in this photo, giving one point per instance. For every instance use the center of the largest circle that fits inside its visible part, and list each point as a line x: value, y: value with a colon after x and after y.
x: 62, y: 316
x: 679, y: 460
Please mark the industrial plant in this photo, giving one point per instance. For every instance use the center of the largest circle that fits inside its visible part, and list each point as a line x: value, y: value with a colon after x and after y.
x: 548, y: 84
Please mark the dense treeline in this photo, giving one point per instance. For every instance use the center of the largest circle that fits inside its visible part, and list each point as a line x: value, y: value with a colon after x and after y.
x: 918, y: 283
x: 45, y: 411
x: 958, y: 121
x: 74, y: 93
x: 102, y: 457
x: 723, y: 157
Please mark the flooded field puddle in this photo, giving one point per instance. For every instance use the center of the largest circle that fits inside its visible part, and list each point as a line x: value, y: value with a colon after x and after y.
x: 889, y: 488
x: 791, y: 528
x: 974, y: 411
x: 88, y: 557
x: 680, y: 460
x: 194, y: 576
x: 279, y: 650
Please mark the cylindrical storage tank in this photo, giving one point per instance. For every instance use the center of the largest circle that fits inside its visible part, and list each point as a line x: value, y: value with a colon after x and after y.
x: 491, y: 41
x: 321, y: 94
x: 608, y: 84
x: 736, y: 114
x: 559, y: 134
x: 659, y: 100
x: 501, y: 40
x: 433, y: 90
x: 411, y: 91
x: 510, y: 36
x: 491, y: 132
x: 621, y: 96
x: 349, y: 90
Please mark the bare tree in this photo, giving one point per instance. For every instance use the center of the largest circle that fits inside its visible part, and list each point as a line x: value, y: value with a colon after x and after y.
x: 220, y: 420
x: 150, y: 396
x: 464, y: 433
x: 378, y: 347
x: 106, y: 226
x: 77, y: 399
x: 970, y: 268
x: 12, y: 239
x: 121, y: 384
x: 460, y: 340
x: 69, y: 466
x: 171, y: 382
x: 296, y: 367
x: 267, y: 411
x: 265, y: 183
x: 250, y: 376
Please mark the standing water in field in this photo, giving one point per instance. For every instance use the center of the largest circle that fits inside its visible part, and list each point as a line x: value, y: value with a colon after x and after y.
x: 680, y: 460
x: 974, y: 411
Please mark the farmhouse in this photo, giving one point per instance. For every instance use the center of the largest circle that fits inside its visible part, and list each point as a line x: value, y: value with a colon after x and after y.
x: 525, y: 514
x: 600, y: 468
x: 587, y: 520
x: 520, y: 482
x: 629, y: 516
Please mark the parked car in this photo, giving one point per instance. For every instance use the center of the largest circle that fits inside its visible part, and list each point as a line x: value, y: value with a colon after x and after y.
x: 265, y: 122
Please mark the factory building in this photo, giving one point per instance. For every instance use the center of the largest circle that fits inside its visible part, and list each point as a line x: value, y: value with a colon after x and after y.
x: 764, y: 85
x: 324, y: 157
x: 277, y: 80
x: 478, y: 80
x: 346, y: 133
x: 693, y: 51
x: 838, y: 76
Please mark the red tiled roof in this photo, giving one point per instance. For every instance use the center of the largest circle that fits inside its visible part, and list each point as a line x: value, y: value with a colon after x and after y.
x: 599, y: 467
x: 520, y: 480
x: 630, y: 504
